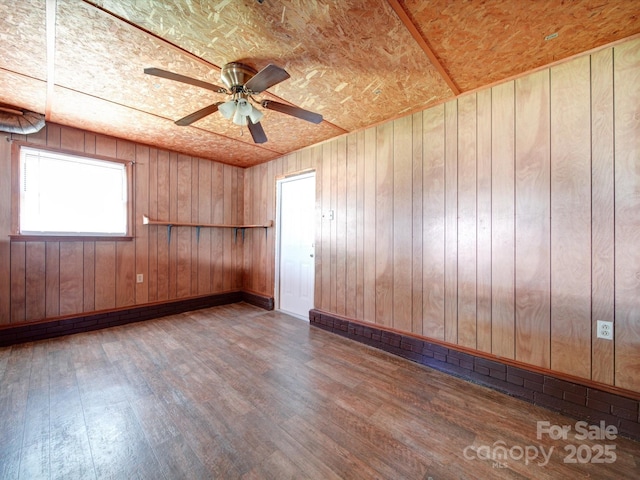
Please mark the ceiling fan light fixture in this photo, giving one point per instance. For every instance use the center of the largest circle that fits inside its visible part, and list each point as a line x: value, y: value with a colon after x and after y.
x: 227, y: 109
x: 255, y: 115
x: 244, y: 107
x: 239, y: 118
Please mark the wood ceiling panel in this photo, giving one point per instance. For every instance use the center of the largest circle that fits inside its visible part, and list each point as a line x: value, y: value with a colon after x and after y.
x: 482, y: 42
x: 94, y: 114
x: 353, y: 61
x: 24, y: 92
x: 23, y: 38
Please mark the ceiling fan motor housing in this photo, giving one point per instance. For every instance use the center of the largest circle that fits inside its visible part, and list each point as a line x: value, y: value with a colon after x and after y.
x: 234, y: 75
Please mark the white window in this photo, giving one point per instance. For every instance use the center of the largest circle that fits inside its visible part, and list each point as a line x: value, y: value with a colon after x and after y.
x: 64, y: 194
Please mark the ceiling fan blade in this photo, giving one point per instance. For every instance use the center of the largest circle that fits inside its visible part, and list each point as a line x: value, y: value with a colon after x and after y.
x: 203, y: 112
x: 265, y: 78
x: 293, y: 111
x: 181, y: 78
x: 257, y: 132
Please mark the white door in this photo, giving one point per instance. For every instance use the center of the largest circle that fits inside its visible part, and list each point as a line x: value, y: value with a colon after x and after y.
x: 297, y: 198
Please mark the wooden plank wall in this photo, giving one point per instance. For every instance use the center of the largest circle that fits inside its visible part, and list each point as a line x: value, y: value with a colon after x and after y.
x: 45, y: 279
x: 488, y: 221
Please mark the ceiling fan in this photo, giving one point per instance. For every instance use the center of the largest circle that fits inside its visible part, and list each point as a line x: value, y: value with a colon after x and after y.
x: 242, y: 83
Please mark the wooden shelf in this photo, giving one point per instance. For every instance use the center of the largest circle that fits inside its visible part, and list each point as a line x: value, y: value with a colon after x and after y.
x: 148, y: 221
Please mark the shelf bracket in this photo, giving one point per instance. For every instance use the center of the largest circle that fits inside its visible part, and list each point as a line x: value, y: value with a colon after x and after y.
x: 169, y: 234
x: 198, y: 234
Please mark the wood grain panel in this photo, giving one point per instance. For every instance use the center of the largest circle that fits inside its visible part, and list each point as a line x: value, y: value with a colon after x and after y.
x: 602, y: 212
x: 18, y: 282
x: 5, y: 229
x: 217, y: 202
x: 571, y: 218
x: 172, y: 240
x: 226, y: 238
x: 183, y: 234
x: 204, y: 216
x: 105, y: 275
x: 483, y: 273
x: 89, y: 284
x: 341, y: 224
x: 369, y: 220
x: 467, y: 220
x: 402, y: 223
x: 532, y: 220
x: 416, y: 223
x: 451, y: 222
x: 360, y: 214
x: 351, y: 253
x: 163, y: 165
x: 316, y: 161
x: 195, y: 237
x: 332, y: 150
x: 141, y: 192
x: 384, y: 222
x: 35, y: 288
x: 627, y: 214
x: 324, y: 281
x: 71, y: 277
x: 52, y: 279
x: 503, y: 220
x: 433, y: 206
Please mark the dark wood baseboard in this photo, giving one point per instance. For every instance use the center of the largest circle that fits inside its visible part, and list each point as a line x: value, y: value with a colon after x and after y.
x: 59, y: 326
x: 583, y: 401
x: 258, y: 300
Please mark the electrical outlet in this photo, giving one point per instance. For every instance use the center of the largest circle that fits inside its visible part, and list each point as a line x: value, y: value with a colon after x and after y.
x: 139, y: 278
x: 605, y: 330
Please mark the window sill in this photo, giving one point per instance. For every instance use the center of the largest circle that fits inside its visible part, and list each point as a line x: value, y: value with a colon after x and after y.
x: 69, y: 238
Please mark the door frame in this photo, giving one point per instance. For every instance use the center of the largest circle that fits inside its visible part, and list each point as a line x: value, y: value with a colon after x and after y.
x: 276, y: 281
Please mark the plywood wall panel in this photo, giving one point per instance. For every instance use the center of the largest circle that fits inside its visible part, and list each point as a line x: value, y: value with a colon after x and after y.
x: 506, y: 180
x: 416, y: 223
x: 402, y: 224
x: 369, y: 257
x: 433, y: 223
x: 339, y: 166
x: 571, y: 218
x: 384, y: 225
x: 71, y: 277
x: 532, y: 220
x: 483, y: 251
x: 503, y: 220
x: 5, y: 229
x: 18, y: 282
x: 52, y: 279
x: 602, y: 212
x: 89, y: 281
x: 627, y: 214
x: 360, y: 216
x: 351, y: 219
x: 467, y: 220
x: 35, y: 288
x: 141, y: 207
x: 75, y: 276
x: 105, y: 275
x: 204, y: 216
x: 451, y: 222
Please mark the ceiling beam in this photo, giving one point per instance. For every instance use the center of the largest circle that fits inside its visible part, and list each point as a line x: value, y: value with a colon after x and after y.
x: 417, y: 36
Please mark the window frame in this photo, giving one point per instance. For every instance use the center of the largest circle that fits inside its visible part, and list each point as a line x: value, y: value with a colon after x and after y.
x: 16, y: 235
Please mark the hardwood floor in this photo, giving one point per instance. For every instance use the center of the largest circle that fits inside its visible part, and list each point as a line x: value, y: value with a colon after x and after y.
x: 240, y: 392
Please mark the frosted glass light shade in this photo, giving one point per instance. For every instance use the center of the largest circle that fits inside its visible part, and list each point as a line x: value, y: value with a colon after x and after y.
x: 227, y: 109
x: 255, y: 115
x: 239, y: 119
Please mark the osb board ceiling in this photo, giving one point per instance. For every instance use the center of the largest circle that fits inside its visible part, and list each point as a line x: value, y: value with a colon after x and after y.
x: 356, y: 62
